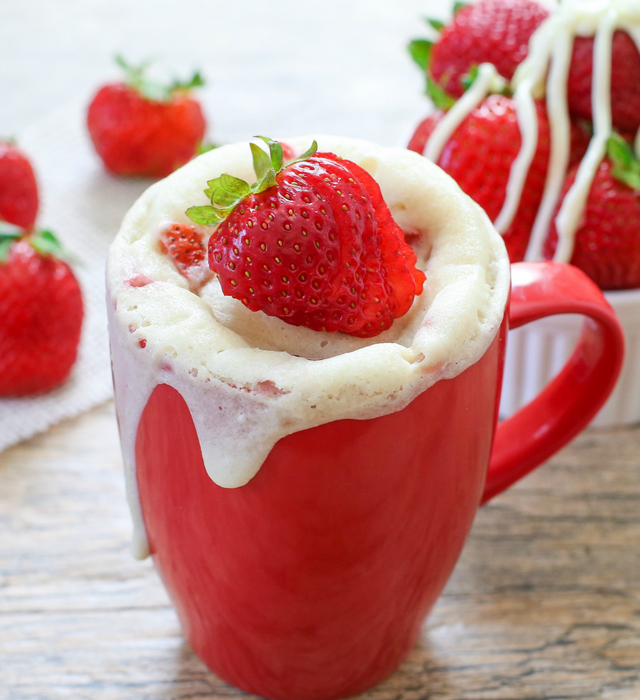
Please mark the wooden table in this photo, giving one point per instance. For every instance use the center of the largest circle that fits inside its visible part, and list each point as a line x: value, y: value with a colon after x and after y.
x: 544, y: 603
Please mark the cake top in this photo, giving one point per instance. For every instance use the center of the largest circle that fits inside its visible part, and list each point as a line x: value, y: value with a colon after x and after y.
x: 449, y: 325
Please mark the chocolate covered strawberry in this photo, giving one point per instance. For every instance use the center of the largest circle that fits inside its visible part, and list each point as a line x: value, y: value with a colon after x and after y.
x: 18, y: 187
x: 607, y: 240
x: 312, y: 242
x: 625, y: 79
x: 40, y: 313
x: 142, y: 128
x: 479, y: 156
x: 489, y: 31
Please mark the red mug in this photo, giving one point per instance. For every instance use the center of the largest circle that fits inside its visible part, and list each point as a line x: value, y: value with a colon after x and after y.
x: 312, y: 580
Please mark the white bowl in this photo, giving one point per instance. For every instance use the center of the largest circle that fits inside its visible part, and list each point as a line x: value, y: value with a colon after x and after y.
x: 536, y: 353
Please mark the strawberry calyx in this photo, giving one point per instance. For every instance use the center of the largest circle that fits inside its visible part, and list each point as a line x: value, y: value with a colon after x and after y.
x: 227, y: 191
x: 420, y: 52
x: 44, y: 242
x: 152, y: 90
x: 9, y: 233
x: 626, y: 165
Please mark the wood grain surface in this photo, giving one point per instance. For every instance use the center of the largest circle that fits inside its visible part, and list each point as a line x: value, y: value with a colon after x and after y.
x: 544, y: 603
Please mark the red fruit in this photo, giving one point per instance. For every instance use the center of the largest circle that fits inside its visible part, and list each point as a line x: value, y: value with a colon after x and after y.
x: 479, y: 156
x: 489, y: 31
x: 313, y: 244
x: 607, y: 242
x: 140, y: 129
x: 625, y: 78
x: 186, y: 247
x: 40, y: 318
x: 18, y: 187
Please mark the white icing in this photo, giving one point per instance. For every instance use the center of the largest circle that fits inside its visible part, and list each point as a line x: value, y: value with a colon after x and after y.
x: 249, y: 379
x: 560, y: 131
x: 486, y: 81
x: 568, y: 218
x: 550, y: 53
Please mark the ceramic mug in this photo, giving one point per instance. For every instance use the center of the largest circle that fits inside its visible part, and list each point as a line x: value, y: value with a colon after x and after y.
x: 312, y: 580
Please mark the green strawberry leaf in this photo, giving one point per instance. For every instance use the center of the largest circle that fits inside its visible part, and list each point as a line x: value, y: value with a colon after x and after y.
x: 229, y: 191
x: 457, y: 6
x: 7, y: 229
x: 497, y: 86
x: 313, y: 148
x: 437, y: 24
x: 8, y: 234
x: 226, y: 192
x: 468, y: 79
x: 275, y: 153
x: 620, y: 151
x: 150, y: 89
x: 206, y: 146
x: 5, y: 245
x: 261, y: 161
x: 205, y: 215
x: 46, y: 243
x: 195, y: 81
x: 441, y: 99
x: 420, y: 50
x: 626, y: 166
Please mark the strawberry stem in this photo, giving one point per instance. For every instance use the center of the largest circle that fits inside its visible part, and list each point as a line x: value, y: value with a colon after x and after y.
x: 226, y: 192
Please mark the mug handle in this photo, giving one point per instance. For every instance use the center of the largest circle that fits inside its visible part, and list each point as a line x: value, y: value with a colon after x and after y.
x: 569, y: 402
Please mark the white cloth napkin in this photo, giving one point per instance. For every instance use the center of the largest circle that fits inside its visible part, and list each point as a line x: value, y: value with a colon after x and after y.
x: 84, y: 207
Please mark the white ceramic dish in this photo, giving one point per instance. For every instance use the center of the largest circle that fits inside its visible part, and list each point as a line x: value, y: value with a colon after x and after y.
x: 537, y: 352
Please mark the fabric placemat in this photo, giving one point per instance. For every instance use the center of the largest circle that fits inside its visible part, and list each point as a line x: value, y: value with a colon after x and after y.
x: 84, y: 206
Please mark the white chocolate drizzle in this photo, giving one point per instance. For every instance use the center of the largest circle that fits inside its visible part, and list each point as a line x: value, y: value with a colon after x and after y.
x: 486, y: 81
x: 550, y: 50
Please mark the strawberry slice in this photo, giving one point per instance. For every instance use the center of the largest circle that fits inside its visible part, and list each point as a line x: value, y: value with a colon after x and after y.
x: 186, y: 247
x: 311, y: 242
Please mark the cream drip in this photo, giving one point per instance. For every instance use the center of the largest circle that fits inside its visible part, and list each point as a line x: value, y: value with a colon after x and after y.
x: 550, y: 50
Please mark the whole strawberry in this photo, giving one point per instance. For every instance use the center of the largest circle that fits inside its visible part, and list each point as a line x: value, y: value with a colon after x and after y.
x: 18, y: 187
x: 488, y: 31
x: 140, y: 128
x: 607, y: 241
x: 479, y: 156
x: 625, y: 78
x: 311, y: 242
x: 40, y: 313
